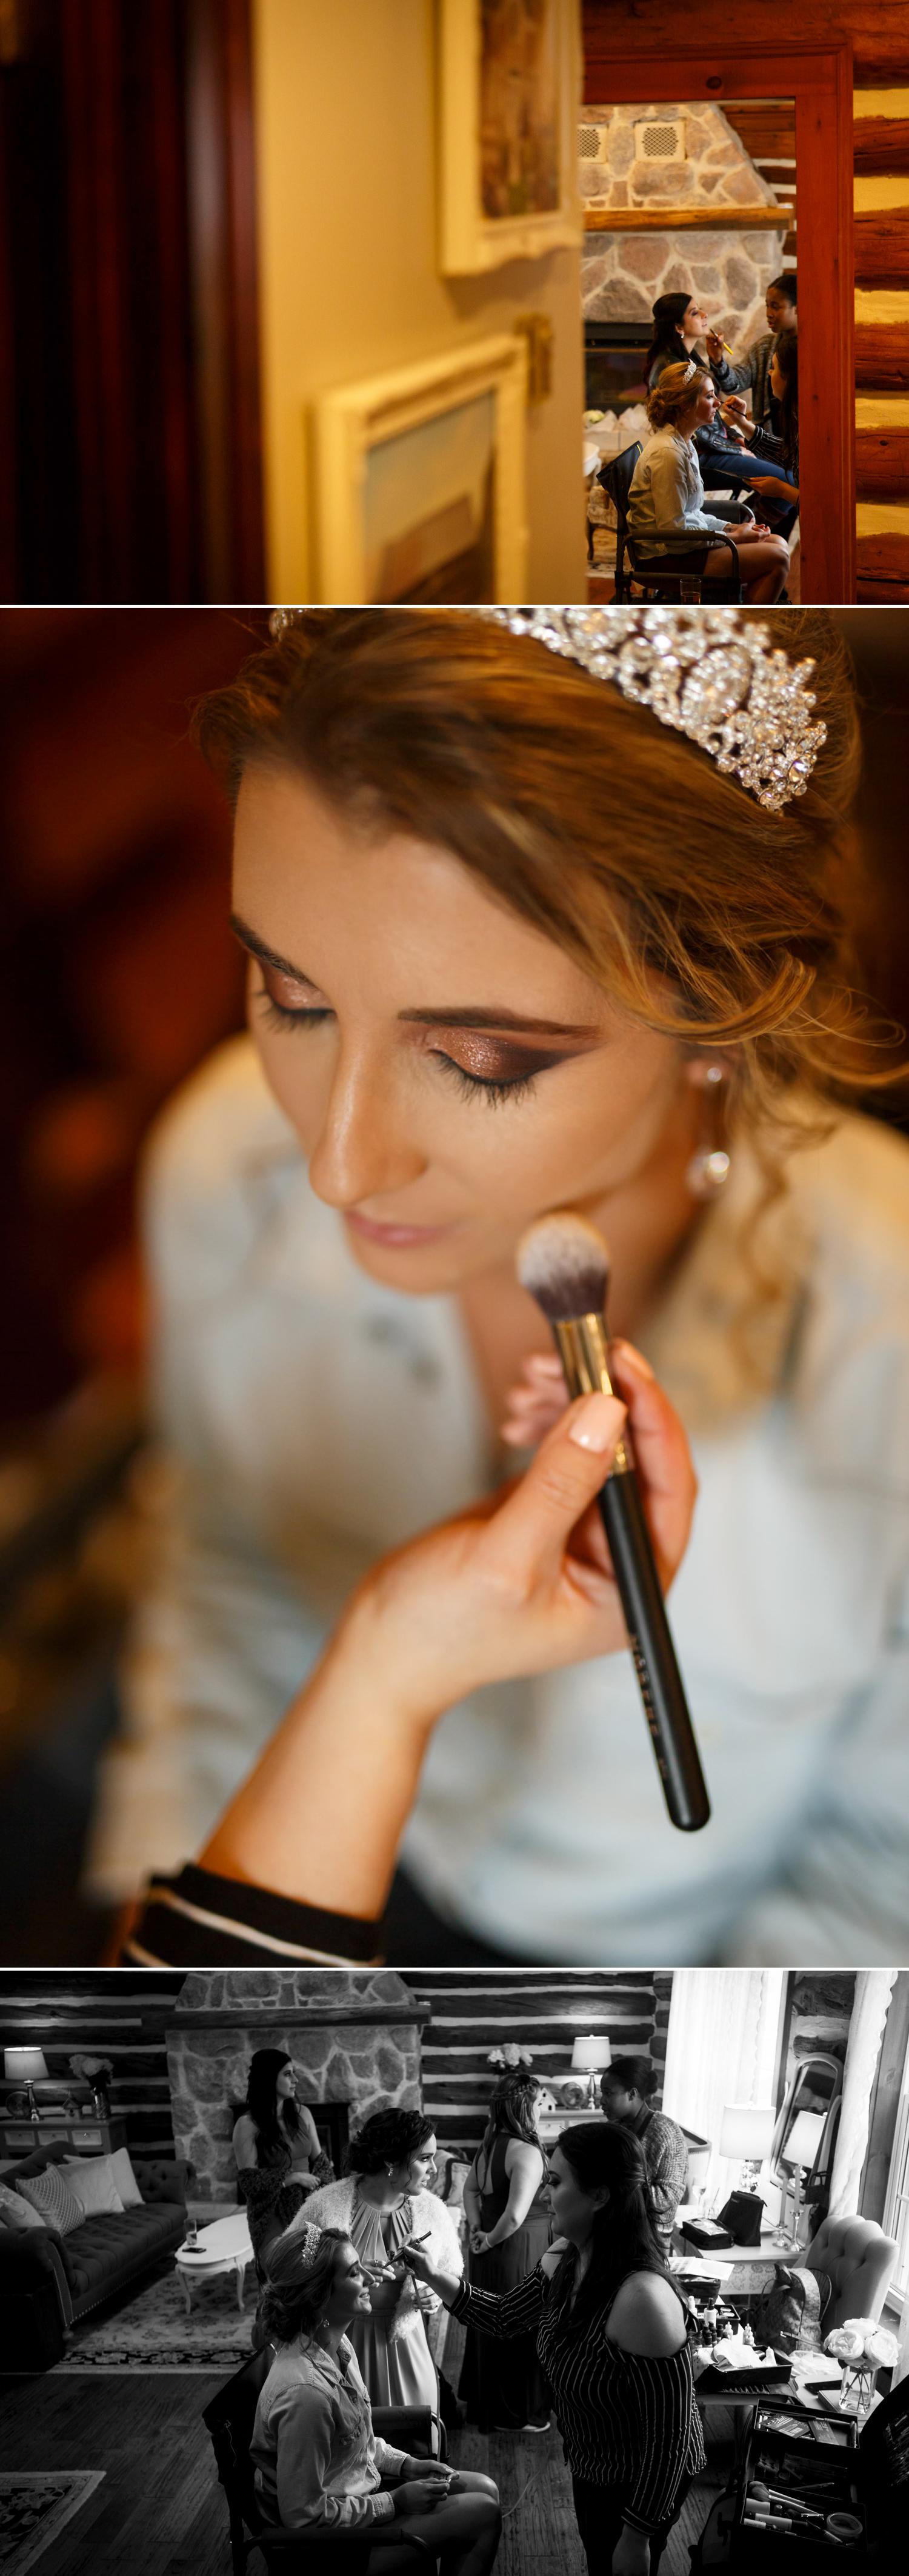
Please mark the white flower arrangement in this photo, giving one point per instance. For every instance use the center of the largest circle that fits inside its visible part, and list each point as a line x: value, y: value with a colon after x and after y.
x: 510, y: 2056
x: 862, y: 2347
x: 862, y: 2339
x: 91, y: 2070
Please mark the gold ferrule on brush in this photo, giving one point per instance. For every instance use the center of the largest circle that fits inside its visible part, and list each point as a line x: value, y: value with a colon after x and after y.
x: 584, y: 1353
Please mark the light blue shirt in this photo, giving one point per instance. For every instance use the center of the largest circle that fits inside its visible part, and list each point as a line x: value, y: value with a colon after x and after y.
x: 666, y: 500
x: 313, y: 1418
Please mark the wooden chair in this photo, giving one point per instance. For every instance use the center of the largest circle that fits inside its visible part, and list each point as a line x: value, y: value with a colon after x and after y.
x: 230, y: 2417
x: 657, y: 580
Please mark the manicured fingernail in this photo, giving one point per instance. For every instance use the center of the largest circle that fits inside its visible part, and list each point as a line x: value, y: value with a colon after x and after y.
x: 598, y: 1423
x: 633, y: 1359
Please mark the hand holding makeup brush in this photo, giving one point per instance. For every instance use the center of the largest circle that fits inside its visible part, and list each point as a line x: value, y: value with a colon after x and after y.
x: 521, y: 1582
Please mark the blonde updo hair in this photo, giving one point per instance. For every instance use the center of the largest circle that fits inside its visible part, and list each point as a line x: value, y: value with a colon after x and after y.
x: 674, y: 393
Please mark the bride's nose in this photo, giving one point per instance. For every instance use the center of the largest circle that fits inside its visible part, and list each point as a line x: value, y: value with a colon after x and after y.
x: 365, y: 1149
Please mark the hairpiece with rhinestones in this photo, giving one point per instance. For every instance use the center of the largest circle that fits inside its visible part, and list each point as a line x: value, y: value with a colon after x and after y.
x: 709, y: 673
x: 305, y: 2238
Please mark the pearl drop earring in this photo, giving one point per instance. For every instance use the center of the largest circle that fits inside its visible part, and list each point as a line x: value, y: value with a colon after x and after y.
x: 709, y: 1168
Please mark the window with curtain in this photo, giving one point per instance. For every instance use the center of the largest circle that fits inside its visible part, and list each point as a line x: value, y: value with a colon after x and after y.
x: 896, y: 2206
x: 724, y: 2027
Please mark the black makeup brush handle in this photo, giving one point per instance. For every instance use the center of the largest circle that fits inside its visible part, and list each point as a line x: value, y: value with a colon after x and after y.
x: 650, y: 1639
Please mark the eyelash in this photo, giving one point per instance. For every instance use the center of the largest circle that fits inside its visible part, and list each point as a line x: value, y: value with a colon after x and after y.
x: 278, y: 1016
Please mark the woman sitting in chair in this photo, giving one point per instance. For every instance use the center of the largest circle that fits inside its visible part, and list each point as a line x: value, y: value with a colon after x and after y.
x: 669, y: 526
x: 319, y: 2466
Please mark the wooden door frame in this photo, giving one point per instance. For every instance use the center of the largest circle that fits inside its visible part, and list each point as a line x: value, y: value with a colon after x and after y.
x: 819, y: 78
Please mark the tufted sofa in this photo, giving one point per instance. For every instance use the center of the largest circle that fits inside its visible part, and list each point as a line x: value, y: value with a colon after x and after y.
x: 49, y: 2282
x: 859, y: 2259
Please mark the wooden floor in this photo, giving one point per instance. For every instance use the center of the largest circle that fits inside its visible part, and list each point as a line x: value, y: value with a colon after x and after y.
x: 159, y: 2510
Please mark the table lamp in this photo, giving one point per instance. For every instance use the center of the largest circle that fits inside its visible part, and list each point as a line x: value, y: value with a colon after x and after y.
x: 589, y: 2057
x: 799, y: 2150
x: 746, y: 2135
x: 26, y: 2066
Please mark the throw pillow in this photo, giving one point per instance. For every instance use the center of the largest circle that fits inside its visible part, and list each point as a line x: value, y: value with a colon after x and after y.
x: 16, y: 2212
x: 51, y: 2197
x: 789, y: 2317
x: 125, y: 2179
x: 92, y: 2184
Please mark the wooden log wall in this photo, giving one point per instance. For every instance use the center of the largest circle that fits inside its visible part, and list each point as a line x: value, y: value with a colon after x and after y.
x: 881, y: 160
x: 123, y: 2014
x: 766, y: 127
x: 120, y: 2013
x: 544, y: 2010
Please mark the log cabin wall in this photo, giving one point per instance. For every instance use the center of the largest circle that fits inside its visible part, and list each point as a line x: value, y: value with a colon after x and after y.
x: 473, y: 2012
x: 881, y: 162
x: 879, y: 33
x: 118, y: 2013
x: 124, y: 2015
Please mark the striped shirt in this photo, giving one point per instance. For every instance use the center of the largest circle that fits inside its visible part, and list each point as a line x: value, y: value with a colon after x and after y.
x: 194, y: 1918
x: 626, y: 2421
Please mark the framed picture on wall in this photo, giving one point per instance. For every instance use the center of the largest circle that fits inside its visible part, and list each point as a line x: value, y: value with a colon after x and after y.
x: 509, y: 100
x: 420, y: 481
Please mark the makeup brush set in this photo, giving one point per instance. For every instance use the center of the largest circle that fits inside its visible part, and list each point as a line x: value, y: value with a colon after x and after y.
x: 811, y: 2489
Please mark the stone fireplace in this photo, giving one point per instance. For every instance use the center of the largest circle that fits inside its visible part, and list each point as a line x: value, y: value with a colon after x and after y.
x: 728, y: 270
x: 354, y: 2037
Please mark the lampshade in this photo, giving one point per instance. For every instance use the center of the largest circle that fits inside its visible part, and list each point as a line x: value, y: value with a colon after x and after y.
x: 804, y: 2139
x: 746, y: 2130
x: 590, y: 2055
x: 24, y: 2065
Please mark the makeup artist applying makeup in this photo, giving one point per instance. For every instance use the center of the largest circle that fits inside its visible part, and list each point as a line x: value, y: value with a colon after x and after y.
x: 544, y: 910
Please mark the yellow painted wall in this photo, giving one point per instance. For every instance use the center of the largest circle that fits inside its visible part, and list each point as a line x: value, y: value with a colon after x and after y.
x: 349, y: 281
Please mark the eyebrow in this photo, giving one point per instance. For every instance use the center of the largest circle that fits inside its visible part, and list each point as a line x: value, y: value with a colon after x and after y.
x: 464, y: 1016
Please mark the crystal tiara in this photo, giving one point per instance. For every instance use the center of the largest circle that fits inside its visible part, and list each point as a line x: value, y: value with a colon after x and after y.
x: 707, y: 672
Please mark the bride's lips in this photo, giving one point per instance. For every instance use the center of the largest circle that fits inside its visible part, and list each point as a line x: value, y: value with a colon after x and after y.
x: 396, y: 1238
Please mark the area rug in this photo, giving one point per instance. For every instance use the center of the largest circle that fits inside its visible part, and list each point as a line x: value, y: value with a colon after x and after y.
x: 153, y: 2332
x: 35, y: 2506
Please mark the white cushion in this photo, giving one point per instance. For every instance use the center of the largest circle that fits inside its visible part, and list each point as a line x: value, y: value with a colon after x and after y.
x: 16, y: 2212
x: 125, y: 2179
x: 50, y: 2195
x: 92, y: 2184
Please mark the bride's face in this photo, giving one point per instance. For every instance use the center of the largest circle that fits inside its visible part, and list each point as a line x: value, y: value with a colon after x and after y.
x: 450, y: 1073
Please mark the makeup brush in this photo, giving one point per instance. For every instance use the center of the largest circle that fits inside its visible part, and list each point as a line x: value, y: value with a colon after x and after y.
x: 564, y: 1264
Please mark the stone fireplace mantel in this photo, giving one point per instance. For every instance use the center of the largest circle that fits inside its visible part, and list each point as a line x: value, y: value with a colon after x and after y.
x: 353, y: 2035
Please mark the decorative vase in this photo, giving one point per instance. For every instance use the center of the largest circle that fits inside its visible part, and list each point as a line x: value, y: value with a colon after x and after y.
x: 857, y: 2388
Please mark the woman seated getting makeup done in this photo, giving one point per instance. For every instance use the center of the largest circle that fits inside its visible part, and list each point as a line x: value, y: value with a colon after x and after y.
x: 679, y: 321
x: 383, y: 2202
x: 666, y: 513
x: 517, y: 944
x: 611, y: 2340
x: 319, y: 2467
